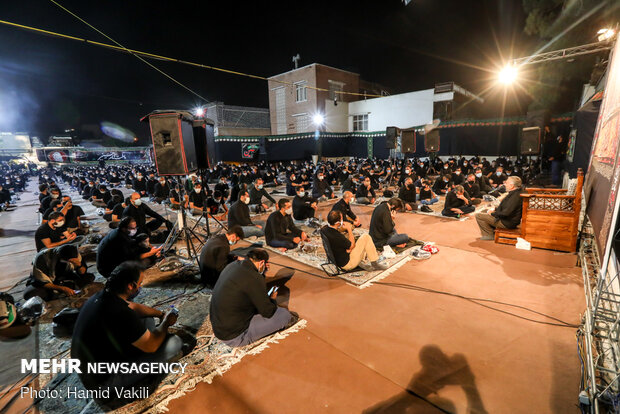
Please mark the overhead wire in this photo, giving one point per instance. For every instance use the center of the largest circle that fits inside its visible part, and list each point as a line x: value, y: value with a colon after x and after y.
x: 175, y: 60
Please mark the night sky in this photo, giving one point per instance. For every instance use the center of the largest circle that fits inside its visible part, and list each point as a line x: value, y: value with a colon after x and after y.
x: 49, y: 84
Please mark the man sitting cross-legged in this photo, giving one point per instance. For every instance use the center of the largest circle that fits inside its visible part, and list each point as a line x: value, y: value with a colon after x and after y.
x: 349, y: 253
x: 365, y: 194
x: 344, y: 206
x: 457, y: 203
x: 280, y: 231
x: 382, y: 227
x: 507, y: 215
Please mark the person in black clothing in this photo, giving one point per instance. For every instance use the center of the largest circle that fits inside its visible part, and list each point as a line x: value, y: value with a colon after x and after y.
x: 350, y: 184
x: 161, y: 192
x: 113, y: 328
x: 442, y: 185
x: 223, y: 187
x: 101, y: 196
x: 241, y: 310
x: 72, y: 214
x: 5, y: 197
x: 457, y: 177
x: 408, y: 194
x: 197, y: 200
x: 557, y: 155
x: 149, y: 255
x: 344, y: 206
x: 150, y: 185
x: 114, y: 201
x: 215, y: 254
x: 59, y: 269
x: 87, y: 191
x: 139, y: 185
x: 382, y: 228
x: 43, y: 192
x: 320, y: 188
x: 365, y: 194
x: 280, y: 231
x: 483, y: 182
x: 117, y: 246
x: 257, y: 192
x: 239, y: 215
x: 175, y: 198
x: 348, y: 252
x: 139, y: 210
x: 472, y: 188
x: 292, y: 184
x: 45, y: 203
x: 457, y: 203
x: 53, y: 233
x: 304, y: 206
x: 497, y: 180
x: 507, y: 215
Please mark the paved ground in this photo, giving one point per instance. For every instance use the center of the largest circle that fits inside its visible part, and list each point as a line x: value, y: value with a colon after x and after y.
x: 399, y: 348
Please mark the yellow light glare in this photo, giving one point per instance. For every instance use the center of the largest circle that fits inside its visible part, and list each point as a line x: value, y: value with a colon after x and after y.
x: 508, y: 75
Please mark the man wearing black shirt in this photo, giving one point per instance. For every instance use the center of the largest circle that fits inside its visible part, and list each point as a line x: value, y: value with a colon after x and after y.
x: 507, y: 215
x: 241, y: 311
x: 59, y: 269
x: 382, y: 228
x: 257, y: 192
x: 472, y: 188
x: 349, y: 253
x: 365, y: 194
x: 280, y: 231
x: 408, y: 194
x: 483, y: 182
x: 344, y: 206
x: 101, y: 196
x: 139, y: 210
x: 215, y: 254
x: 239, y: 214
x: 72, y: 216
x: 117, y: 247
x: 113, y: 328
x: 304, y: 206
x: 45, y: 203
x: 442, y: 184
x: 139, y: 185
x: 497, y: 180
x: 5, y: 197
x: 197, y: 200
x: 320, y: 188
x: 457, y: 203
x: 222, y: 187
x: 52, y: 233
x: 161, y: 191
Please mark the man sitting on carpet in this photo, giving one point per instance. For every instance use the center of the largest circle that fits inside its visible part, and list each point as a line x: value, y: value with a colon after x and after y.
x: 53, y: 233
x: 304, y: 206
x: 60, y: 269
x: 349, y: 253
x: 427, y: 196
x: 442, y: 184
x: 457, y: 203
x: 280, y: 231
x: 257, y: 192
x: 215, y: 255
x: 113, y: 328
x: 473, y: 189
x: 139, y: 210
x: 241, y: 310
x: 117, y: 247
x: 239, y: 215
x: 507, y: 215
x: 365, y: 194
x: 321, y: 189
x: 344, y: 206
x: 382, y: 227
x: 197, y: 200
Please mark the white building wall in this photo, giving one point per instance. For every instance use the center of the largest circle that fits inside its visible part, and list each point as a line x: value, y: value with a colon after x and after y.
x: 336, y: 116
x: 403, y: 111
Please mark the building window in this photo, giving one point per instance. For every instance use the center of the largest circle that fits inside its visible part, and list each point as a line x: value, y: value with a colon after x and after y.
x: 301, y: 122
x: 334, y: 88
x: 300, y: 92
x: 360, y: 122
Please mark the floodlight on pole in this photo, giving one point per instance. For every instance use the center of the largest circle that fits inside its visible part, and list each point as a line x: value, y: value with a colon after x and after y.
x: 318, y: 119
x: 508, y: 75
x: 605, y: 34
x: 199, y: 112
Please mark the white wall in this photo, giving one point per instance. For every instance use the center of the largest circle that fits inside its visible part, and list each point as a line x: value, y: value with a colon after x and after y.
x: 403, y: 111
x: 336, y: 116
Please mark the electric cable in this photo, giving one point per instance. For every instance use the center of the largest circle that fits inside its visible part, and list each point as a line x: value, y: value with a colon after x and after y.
x: 174, y: 60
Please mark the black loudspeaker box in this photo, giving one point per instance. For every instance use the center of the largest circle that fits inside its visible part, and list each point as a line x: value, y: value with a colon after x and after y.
x: 390, y: 137
x: 407, y: 143
x: 530, y: 141
x: 431, y: 141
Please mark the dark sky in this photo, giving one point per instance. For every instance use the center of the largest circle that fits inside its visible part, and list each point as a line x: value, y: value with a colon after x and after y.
x: 49, y: 84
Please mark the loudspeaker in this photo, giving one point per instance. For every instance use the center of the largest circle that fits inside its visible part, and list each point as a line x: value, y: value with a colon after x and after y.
x: 530, y: 141
x: 262, y: 146
x: 390, y: 137
x: 203, y: 136
x: 431, y: 141
x: 407, y: 141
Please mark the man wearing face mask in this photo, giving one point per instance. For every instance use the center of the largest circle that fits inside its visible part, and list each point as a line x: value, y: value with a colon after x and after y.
x: 304, y: 206
x: 257, y: 192
x: 112, y: 327
x: 45, y: 203
x: 408, y: 194
x: 197, y: 200
x: 483, y: 182
x: 139, y: 211
x: 344, y: 207
x: 139, y: 185
x: 59, y: 269
x: 101, y: 196
x: 222, y: 187
x: 350, y: 184
x: 117, y: 246
x: 497, y: 179
x: 442, y: 184
x: 239, y: 215
x: 241, y: 311
x: 53, y: 232
x: 349, y: 253
x: 365, y: 194
x: 473, y: 189
x: 215, y: 254
x: 280, y: 231
x: 161, y: 191
x: 320, y: 188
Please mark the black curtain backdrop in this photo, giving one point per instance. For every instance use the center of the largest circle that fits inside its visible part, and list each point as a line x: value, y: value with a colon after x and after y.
x: 585, y: 123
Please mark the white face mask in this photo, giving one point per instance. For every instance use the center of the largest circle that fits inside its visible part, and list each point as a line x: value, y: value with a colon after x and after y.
x: 320, y: 178
x: 133, y: 232
x: 137, y: 202
x: 54, y: 196
x: 289, y: 211
x: 247, y: 200
x: 301, y: 193
x: 231, y: 242
x: 478, y: 175
x: 59, y: 224
x: 498, y: 173
x: 457, y: 172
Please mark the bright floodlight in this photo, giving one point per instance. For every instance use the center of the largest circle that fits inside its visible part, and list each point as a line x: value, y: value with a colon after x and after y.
x: 199, y: 112
x: 605, y: 34
x: 508, y: 75
x: 318, y: 119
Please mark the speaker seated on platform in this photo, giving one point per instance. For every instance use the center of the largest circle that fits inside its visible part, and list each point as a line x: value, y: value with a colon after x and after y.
x: 407, y: 141
x: 530, y: 141
x: 174, y: 148
x: 431, y: 141
x: 391, y: 133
